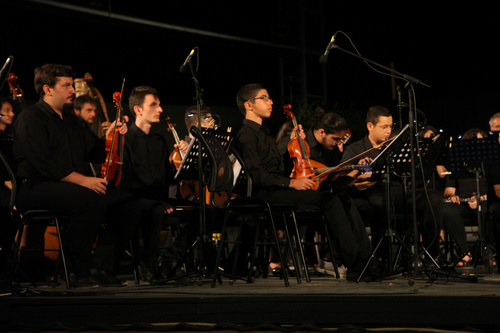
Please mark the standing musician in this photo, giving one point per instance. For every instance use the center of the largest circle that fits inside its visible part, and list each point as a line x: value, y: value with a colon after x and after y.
x: 52, y: 150
x: 371, y: 201
x: 265, y: 164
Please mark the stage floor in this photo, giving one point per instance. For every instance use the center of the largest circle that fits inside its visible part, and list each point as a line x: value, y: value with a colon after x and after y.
x: 325, y: 303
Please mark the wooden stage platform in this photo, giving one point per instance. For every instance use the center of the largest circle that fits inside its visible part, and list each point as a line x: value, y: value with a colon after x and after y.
x: 324, y: 304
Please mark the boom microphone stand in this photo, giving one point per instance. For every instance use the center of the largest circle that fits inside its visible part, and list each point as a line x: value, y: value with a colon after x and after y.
x: 409, y: 79
x: 201, y: 183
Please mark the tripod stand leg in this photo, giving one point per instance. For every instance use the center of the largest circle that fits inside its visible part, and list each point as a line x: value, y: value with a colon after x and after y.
x: 372, y: 256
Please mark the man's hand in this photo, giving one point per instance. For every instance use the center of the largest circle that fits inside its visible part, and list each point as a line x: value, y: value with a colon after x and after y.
x: 97, y: 185
x: 182, y: 146
x: 121, y: 125
x: 302, y: 183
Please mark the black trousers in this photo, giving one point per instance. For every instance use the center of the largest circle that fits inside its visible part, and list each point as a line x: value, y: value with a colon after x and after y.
x: 86, y: 213
x: 342, y: 217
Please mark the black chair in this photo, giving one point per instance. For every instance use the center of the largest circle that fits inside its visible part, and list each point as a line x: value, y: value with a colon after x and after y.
x: 312, y: 217
x: 32, y: 217
x: 243, y: 205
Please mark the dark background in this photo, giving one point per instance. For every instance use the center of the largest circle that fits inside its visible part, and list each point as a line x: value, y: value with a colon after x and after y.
x: 451, y: 48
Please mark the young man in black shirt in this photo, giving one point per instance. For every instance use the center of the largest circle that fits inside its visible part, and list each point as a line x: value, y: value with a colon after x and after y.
x: 265, y: 163
x: 370, y: 193
x: 52, y: 151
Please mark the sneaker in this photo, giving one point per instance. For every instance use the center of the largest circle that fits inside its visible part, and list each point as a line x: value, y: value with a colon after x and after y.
x: 326, y: 267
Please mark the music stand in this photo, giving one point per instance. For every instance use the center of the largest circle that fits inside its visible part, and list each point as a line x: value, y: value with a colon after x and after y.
x: 469, y: 155
x: 382, y: 165
x: 216, y: 172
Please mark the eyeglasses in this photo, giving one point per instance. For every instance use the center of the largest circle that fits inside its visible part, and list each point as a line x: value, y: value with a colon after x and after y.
x: 204, y: 117
x: 264, y: 98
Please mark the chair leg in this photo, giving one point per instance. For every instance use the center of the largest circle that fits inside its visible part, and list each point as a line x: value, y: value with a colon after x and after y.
x: 280, y: 255
x: 61, y: 252
x: 135, y: 265
x: 15, y: 253
x: 300, y: 247
x: 222, y: 241
x: 331, y: 247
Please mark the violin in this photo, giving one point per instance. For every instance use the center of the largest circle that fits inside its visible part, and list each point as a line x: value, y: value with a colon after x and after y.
x: 16, y: 91
x: 112, y: 167
x: 300, y: 154
x: 177, y: 155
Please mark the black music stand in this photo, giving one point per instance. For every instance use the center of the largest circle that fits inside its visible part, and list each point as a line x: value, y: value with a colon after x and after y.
x: 381, y: 167
x: 426, y: 152
x: 469, y: 155
x: 216, y: 172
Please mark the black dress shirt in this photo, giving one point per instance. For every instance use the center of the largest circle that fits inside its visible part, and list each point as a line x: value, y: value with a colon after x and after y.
x: 261, y: 156
x: 48, y: 147
x: 146, y: 168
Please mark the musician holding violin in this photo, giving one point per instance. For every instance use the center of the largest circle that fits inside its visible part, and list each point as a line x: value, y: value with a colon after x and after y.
x: 52, y: 151
x: 265, y: 164
x: 148, y: 174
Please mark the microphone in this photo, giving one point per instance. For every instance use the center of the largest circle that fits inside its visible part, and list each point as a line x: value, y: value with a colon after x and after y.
x: 324, y: 58
x: 182, y: 69
x: 5, y: 65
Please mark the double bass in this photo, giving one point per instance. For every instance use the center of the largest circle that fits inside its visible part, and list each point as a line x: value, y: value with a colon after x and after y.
x: 112, y: 166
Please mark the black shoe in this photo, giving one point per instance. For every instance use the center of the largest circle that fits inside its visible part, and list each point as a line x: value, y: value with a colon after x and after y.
x: 151, y: 272
x: 78, y: 281
x: 106, y: 279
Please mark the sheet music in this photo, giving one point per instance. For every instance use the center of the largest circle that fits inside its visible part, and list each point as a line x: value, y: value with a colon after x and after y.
x: 382, y: 153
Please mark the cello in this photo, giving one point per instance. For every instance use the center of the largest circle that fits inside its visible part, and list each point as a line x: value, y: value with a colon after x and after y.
x: 112, y: 166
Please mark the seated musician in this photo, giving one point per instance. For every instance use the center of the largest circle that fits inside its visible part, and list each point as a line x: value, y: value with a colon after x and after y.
x: 493, y: 181
x: 460, y: 191
x: 7, y: 227
x: 370, y: 196
x: 191, y: 119
x: 52, y: 150
x: 325, y: 141
x: 265, y: 163
x: 148, y: 174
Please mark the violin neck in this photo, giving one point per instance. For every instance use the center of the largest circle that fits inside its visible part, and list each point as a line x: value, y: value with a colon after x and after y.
x: 299, y: 139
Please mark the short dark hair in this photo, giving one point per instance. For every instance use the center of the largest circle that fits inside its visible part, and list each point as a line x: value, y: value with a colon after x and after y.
x: 331, y: 122
x: 191, y: 115
x: 49, y: 74
x: 245, y: 93
x: 377, y: 111
x: 138, y: 94
x: 80, y: 101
